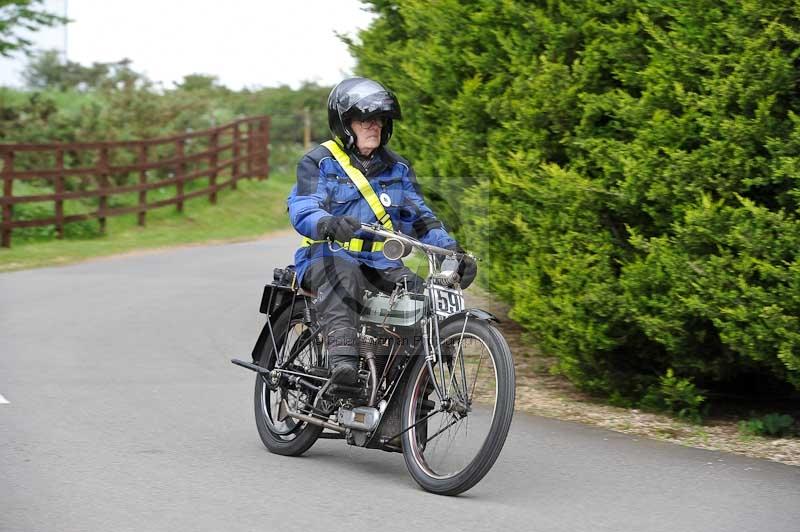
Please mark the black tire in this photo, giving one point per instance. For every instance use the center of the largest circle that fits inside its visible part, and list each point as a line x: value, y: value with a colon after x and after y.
x: 288, y: 437
x: 419, y: 399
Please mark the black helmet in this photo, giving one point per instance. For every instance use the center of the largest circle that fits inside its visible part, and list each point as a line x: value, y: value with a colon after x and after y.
x: 360, y: 98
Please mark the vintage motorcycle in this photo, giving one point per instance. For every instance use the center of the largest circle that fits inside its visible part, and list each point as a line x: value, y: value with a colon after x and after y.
x: 436, y: 380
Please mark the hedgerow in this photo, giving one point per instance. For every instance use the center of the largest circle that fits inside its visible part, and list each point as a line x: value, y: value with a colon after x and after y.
x: 628, y: 169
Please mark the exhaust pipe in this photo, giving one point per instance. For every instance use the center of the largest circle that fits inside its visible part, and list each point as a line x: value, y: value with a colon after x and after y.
x: 284, y: 411
x: 373, y: 378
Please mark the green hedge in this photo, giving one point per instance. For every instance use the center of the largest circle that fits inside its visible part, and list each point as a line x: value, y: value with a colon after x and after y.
x: 631, y: 173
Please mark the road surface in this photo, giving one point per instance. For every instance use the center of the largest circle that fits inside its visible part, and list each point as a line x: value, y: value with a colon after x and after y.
x: 122, y: 412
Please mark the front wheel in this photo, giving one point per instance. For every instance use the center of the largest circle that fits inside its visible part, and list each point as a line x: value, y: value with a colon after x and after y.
x: 452, y: 442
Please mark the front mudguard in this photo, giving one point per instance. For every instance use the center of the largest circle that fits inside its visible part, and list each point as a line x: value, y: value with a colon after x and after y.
x: 470, y: 313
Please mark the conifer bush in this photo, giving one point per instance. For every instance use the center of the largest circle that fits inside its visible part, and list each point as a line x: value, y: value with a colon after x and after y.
x: 628, y: 169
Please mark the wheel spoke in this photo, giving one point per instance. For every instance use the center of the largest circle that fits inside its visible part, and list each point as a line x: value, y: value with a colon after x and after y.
x: 442, y: 430
x: 454, y: 441
x: 296, y: 400
x: 475, y: 379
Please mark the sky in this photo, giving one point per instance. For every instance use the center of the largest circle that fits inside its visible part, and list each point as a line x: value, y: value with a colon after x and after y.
x: 245, y: 43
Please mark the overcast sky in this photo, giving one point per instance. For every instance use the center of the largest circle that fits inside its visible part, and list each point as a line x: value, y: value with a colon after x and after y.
x: 246, y: 43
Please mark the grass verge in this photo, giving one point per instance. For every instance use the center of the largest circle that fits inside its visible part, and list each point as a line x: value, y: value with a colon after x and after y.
x: 257, y: 207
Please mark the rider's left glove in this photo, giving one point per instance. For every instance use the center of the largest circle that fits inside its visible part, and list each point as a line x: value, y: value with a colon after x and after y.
x: 341, y: 228
x: 467, y: 267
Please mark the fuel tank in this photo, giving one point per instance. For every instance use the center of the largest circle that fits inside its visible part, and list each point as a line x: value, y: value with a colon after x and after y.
x: 404, y: 312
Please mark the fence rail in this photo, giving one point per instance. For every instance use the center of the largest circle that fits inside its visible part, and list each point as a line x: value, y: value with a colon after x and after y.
x: 59, y: 173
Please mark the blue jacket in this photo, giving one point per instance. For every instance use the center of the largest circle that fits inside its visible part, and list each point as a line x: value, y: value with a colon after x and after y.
x: 323, y: 189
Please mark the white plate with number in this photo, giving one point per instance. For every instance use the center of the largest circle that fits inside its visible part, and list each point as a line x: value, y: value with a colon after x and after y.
x: 447, y: 301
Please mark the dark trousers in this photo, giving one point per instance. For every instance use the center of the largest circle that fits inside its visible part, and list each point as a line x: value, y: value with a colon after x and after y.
x: 340, y: 285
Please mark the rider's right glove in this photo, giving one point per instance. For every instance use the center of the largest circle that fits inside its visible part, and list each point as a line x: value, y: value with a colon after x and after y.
x: 341, y: 228
x: 467, y: 267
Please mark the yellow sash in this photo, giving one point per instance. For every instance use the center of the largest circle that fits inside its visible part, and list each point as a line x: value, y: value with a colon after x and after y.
x: 366, y: 190
x: 360, y: 182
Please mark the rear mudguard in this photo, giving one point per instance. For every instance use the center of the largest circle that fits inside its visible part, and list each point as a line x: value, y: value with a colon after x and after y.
x: 262, y: 339
x: 275, y: 300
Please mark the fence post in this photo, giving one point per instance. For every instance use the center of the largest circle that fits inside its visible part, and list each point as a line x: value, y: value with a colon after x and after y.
x: 258, y: 146
x: 142, y: 160
x: 236, y: 151
x: 260, y: 149
x: 59, y: 186
x: 212, y: 163
x: 8, y: 184
x: 180, y: 171
x: 250, y: 145
x: 102, y: 174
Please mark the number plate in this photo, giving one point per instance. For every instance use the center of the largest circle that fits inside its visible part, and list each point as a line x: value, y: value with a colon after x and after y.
x: 447, y: 301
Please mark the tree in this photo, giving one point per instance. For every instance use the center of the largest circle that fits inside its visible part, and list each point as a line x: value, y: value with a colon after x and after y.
x: 48, y: 70
x: 199, y: 82
x: 16, y: 15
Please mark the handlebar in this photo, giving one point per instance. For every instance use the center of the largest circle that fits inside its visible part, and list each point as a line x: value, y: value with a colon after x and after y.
x: 407, y: 240
x: 446, y: 275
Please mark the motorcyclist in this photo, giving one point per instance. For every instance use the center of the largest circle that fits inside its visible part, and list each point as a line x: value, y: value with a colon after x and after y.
x: 327, y: 204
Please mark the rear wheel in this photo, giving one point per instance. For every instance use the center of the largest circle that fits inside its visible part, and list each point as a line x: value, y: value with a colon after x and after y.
x: 452, y: 443
x: 286, y: 436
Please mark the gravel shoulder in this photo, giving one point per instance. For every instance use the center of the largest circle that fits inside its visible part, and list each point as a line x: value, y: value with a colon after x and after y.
x: 543, y: 394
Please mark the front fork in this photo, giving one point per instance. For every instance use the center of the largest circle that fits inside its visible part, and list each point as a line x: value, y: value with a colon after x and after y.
x: 434, y: 355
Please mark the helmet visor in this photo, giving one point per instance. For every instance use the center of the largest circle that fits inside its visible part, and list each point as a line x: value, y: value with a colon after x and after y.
x: 368, y: 99
x: 382, y: 103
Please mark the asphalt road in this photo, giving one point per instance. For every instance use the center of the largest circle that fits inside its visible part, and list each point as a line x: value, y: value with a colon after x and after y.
x: 124, y: 413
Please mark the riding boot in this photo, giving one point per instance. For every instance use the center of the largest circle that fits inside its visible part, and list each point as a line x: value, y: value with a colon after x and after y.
x: 344, y: 367
x: 343, y: 356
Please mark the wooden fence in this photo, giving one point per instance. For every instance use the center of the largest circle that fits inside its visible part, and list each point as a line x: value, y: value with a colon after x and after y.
x: 93, y: 173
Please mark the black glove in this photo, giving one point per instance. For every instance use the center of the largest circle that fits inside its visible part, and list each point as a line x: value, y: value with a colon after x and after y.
x: 467, y: 267
x: 341, y: 228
